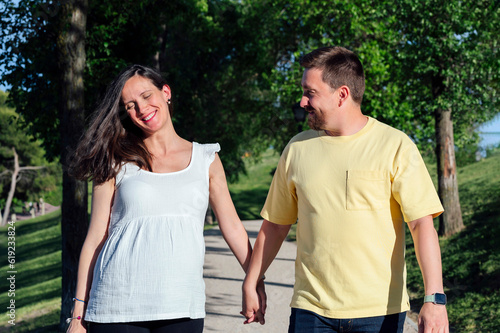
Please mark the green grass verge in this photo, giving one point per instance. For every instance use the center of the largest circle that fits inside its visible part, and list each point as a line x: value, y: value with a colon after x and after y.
x: 471, y: 259
x: 250, y: 192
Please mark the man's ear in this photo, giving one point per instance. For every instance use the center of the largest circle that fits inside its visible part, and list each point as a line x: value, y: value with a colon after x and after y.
x: 344, y: 93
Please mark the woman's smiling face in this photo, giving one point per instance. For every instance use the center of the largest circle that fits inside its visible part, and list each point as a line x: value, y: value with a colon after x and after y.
x: 145, y: 104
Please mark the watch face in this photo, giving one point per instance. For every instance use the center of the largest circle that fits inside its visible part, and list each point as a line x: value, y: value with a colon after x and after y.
x: 440, y: 298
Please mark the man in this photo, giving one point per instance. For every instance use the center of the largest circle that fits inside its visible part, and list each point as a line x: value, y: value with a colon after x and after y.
x: 349, y: 183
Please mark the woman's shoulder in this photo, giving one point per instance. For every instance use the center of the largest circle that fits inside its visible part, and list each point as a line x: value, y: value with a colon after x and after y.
x: 208, y: 150
x: 208, y: 146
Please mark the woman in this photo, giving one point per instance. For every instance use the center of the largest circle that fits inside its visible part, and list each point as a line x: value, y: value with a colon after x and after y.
x: 141, y: 265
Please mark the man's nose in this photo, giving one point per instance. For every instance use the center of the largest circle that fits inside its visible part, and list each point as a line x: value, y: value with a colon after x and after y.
x: 303, y: 101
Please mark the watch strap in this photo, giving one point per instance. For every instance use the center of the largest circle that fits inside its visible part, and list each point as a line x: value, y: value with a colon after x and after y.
x: 436, y: 298
x: 429, y: 298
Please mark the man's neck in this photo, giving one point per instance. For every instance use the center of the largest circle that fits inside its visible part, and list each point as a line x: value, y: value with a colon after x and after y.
x: 349, y: 125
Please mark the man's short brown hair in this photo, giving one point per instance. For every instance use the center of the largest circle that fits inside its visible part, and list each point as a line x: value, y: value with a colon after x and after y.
x: 340, y: 67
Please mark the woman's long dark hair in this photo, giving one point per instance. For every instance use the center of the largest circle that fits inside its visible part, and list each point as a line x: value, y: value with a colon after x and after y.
x: 112, y: 139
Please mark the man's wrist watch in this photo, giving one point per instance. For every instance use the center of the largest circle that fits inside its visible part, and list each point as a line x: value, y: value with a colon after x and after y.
x: 436, y: 298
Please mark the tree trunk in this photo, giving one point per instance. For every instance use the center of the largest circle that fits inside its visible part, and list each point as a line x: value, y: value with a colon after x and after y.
x: 14, y: 178
x: 450, y: 222
x: 159, y: 57
x: 74, y: 221
x: 160, y: 52
x: 10, y: 196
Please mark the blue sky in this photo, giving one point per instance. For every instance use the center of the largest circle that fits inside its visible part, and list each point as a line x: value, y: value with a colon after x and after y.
x: 492, y: 126
x: 490, y: 133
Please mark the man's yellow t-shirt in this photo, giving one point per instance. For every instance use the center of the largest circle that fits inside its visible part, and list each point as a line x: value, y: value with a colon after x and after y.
x: 349, y: 195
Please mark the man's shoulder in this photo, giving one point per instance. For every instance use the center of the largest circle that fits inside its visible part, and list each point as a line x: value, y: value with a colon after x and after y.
x: 384, y: 129
x: 303, y: 138
x: 301, y: 141
x: 305, y: 135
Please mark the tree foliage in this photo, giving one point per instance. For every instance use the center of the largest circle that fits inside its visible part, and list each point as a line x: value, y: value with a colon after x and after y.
x: 214, y: 54
x: 448, y: 58
x: 30, y: 69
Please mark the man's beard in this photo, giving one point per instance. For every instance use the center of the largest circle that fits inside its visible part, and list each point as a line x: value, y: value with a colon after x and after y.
x: 316, y: 122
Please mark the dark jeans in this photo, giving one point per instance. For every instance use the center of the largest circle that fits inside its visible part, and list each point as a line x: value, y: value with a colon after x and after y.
x: 303, y: 321
x: 181, y: 325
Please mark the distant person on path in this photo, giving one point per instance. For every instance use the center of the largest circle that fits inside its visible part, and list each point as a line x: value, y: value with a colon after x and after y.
x: 141, y: 266
x: 350, y: 182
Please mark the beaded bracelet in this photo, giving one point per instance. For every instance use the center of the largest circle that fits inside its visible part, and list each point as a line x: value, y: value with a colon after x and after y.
x: 79, y: 300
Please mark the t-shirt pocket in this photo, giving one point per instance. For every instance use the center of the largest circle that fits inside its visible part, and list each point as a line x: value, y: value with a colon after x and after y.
x: 367, y: 190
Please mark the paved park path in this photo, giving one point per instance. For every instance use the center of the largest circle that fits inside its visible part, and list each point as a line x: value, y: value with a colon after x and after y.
x: 224, y: 276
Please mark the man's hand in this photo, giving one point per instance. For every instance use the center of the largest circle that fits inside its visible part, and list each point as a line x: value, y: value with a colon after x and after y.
x: 261, y: 292
x: 266, y: 247
x: 433, y: 318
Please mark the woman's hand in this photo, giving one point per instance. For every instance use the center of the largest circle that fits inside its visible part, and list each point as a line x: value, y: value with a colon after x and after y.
x: 77, y: 326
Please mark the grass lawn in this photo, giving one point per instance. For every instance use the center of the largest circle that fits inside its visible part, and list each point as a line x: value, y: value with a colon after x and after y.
x: 250, y: 192
x: 38, y: 275
x: 471, y: 259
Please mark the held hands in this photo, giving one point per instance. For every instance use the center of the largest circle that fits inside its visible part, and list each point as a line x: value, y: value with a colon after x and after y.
x: 433, y: 318
x: 254, y: 303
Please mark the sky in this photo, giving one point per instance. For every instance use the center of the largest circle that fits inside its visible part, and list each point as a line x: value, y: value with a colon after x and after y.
x: 490, y: 133
x: 492, y: 126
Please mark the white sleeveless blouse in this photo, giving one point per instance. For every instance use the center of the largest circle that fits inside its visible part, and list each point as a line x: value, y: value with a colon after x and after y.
x: 151, y: 265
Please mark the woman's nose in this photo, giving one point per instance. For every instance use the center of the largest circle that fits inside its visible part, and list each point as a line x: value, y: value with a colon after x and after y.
x: 140, y: 106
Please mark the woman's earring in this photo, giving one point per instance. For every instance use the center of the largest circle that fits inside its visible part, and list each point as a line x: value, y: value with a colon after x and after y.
x: 168, y: 101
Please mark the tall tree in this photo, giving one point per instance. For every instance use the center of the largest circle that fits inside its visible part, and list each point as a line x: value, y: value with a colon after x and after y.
x: 74, y: 221
x: 449, y: 70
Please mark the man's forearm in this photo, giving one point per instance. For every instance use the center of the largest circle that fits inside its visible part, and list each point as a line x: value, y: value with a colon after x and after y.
x: 266, y: 247
x: 428, y: 253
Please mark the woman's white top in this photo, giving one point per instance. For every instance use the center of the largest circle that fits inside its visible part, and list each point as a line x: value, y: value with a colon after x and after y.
x: 151, y: 265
